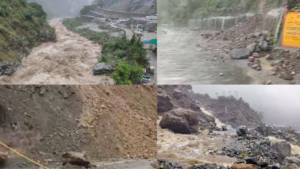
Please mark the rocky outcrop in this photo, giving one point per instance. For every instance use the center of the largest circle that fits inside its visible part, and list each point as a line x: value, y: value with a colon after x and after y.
x: 230, y: 111
x: 180, y: 121
x: 178, y: 96
x: 164, y: 103
x: 171, y: 97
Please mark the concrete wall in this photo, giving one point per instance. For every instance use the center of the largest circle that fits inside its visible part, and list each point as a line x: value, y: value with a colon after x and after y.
x: 217, y: 23
x: 119, y: 14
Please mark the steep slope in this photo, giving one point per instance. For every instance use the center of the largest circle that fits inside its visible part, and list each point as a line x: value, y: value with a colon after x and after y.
x: 230, y: 111
x: 170, y: 97
x: 22, y: 27
x: 43, y: 122
x: 140, y: 6
x: 62, y: 8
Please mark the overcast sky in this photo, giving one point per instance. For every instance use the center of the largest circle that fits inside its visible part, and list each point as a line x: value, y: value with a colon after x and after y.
x: 278, y: 103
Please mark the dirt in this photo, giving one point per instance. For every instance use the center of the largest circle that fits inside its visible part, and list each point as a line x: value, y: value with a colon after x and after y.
x: 43, y: 122
x: 129, y: 109
x: 63, y: 62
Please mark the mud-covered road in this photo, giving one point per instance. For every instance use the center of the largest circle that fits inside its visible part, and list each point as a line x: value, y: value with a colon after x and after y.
x: 185, y: 57
x: 182, y: 62
x: 63, y: 62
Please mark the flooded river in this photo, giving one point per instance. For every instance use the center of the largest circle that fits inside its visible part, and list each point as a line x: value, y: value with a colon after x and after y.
x: 189, y: 149
x: 65, y: 62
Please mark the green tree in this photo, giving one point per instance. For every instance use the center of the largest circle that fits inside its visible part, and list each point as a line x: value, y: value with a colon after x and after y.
x: 127, y: 74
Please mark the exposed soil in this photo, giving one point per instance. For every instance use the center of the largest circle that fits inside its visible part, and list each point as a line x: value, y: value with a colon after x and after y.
x: 103, y: 121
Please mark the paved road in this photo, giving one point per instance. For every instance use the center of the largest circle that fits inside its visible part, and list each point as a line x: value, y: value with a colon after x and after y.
x: 126, y: 164
x: 153, y: 62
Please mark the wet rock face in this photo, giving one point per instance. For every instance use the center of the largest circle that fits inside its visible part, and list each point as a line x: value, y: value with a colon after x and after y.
x: 178, y: 96
x: 164, y: 103
x: 180, y: 121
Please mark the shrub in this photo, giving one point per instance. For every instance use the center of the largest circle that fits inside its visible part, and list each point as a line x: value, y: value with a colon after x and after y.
x: 127, y: 74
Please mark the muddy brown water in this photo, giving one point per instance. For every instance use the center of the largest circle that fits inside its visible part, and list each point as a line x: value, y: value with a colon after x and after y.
x: 189, y: 149
x: 63, y: 62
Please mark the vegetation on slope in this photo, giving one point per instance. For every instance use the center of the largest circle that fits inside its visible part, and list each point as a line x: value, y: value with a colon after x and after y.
x: 180, y: 11
x: 227, y: 98
x: 22, y: 26
x: 127, y: 57
x: 130, y: 56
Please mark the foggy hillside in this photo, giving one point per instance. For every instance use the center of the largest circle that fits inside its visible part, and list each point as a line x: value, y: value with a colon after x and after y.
x: 140, y: 6
x: 279, y: 104
x: 62, y: 8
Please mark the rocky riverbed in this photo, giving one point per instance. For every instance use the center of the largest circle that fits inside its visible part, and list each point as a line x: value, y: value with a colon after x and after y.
x: 242, y: 148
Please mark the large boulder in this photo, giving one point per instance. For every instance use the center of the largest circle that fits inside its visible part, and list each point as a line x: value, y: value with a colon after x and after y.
x: 241, y: 130
x: 283, y: 149
x: 164, y: 103
x: 242, y: 53
x: 75, y: 158
x: 180, y: 121
x: 102, y: 68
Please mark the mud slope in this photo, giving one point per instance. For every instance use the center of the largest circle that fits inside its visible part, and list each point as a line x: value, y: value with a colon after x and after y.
x: 63, y: 62
x: 105, y: 122
x: 122, y: 119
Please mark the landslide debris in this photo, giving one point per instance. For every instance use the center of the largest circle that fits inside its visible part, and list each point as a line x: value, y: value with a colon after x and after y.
x: 47, y: 122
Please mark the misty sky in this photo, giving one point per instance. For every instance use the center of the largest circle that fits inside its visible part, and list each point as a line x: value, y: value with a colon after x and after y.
x: 279, y: 103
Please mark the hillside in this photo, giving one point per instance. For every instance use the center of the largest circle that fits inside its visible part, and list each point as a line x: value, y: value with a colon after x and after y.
x: 229, y: 110
x: 59, y: 8
x: 43, y: 122
x: 139, y: 6
x: 172, y: 97
x: 22, y: 26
